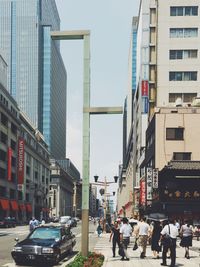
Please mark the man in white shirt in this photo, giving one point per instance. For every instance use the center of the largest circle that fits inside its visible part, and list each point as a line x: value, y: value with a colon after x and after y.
x: 172, y: 231
x: 125, y: 233
x: 143, y: 232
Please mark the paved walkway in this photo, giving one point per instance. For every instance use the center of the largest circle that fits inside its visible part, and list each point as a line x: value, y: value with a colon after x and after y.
x: 104, y: 246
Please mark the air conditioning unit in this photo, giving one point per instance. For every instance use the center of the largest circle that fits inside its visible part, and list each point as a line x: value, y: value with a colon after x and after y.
x: 196, y: 101
x: 178, y: 102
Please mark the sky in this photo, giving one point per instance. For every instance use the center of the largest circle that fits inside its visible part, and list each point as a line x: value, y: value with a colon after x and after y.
x: 110, y: 24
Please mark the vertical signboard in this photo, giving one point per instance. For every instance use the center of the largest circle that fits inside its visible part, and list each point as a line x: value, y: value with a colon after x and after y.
x: 142, y: 193
x: 20, y: 161
x: 155, y: 178
x: 9, y: 167
x: 145, y: 88
x: 149, y: 183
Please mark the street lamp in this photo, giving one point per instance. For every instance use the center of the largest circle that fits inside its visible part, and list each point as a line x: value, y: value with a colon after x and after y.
x: 105, y: 183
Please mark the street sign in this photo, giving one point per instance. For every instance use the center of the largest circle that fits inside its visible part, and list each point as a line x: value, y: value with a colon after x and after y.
x: 20, y: 187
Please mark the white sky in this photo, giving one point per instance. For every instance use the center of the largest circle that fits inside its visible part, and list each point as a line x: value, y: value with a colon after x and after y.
x: 110, y: 24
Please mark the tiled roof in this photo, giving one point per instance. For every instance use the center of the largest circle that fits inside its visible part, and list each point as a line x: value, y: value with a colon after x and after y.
x: 183, y: 165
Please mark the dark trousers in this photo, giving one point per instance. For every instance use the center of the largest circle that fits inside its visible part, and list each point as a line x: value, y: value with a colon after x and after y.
x: 114, y: 242
x: 172, y: 253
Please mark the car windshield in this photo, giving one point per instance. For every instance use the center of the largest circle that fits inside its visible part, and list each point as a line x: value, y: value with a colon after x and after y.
x: 45, y: 233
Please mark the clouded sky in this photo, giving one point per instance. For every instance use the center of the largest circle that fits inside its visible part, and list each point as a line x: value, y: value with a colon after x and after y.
x: 110, y: 24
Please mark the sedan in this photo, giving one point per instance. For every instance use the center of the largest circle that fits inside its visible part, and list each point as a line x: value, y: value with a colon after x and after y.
x: 44, y: 244
x: 8, y: 222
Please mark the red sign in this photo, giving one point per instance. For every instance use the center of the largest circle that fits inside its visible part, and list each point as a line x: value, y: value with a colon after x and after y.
x: 20, y: 161
x: 142, y: 193
x: 145, y: 88
x: 9, y: 164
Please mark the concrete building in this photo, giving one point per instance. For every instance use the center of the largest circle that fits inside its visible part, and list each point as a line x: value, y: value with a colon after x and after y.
x: 62, y: 188
x: 173, y: 148
x: 36, y: 73
x: 167, y: 75
x: 24, y: 161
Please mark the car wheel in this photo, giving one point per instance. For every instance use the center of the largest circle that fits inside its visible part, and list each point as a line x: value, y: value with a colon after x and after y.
x: 70, y: 251
x: 57, y: 259
x: 19, y: 262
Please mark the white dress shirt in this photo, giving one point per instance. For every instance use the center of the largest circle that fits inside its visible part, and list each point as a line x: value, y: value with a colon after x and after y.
x: 143, y: 228
x: 126, y: 230
x: 173, y: 230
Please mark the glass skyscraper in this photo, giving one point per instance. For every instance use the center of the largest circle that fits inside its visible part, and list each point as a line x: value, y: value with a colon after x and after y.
x: 36, y: 73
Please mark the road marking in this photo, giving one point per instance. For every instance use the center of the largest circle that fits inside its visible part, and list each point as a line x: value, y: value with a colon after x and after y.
x: 9, y: 265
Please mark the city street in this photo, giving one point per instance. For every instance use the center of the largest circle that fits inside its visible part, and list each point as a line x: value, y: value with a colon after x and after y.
x: 7, y: 242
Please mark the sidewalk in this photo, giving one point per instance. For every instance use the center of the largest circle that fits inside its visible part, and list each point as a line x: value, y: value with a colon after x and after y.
x: 104, y: 247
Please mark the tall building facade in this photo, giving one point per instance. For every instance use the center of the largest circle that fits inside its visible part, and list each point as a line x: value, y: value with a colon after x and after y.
x: 36, y: 73
x: 167, y: 76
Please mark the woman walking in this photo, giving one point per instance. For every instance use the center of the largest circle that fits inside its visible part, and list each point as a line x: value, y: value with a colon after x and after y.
x: 115, y: 237
x: 155, y: 237
x: 186, y: 240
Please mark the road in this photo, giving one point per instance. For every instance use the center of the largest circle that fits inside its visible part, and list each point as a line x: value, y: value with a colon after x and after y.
x: 7, y: 241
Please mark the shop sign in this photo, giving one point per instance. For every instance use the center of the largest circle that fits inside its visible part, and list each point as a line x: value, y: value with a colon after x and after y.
x: 149, y: 183
x: 142, y: 193
x: 20, y: 161
x: 155, y: 178
x: 145, y: 88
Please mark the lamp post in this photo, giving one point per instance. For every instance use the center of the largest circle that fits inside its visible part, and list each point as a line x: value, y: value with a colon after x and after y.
x: 105, y: 184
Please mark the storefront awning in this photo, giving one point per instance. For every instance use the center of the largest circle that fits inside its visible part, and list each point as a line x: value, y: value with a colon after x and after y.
x: 22, y: 207
x: 5, y: 204
x: 14, y: 205
x: 29, y: 207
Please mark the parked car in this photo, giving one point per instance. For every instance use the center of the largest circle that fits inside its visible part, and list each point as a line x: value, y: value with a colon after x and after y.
x: 73, y: 222
x: 46, y: 244
x: 65, y: 220
x: 76, y: 219
x: 8, y: 222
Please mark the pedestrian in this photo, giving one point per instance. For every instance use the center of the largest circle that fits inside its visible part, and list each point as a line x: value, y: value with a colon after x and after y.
x: 99, y: 229
x: 170, y: 230
x: 115, y: 237
x: 143, y: 232
x: 155, y: 238
x: 186, y: 234
x: 31, y: 224
x: 125, y: 233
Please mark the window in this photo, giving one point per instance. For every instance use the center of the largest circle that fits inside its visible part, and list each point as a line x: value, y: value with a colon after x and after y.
x: 186, y: 97
x: 4, y: 138
x: 12, y: 194
x: 4, y: 120
x: 3, y: 155
x: 183, y: 54
x: 183, y: 32
x: 13, y: 144
x: 13, y: 128
x: 182, y: 156
x: 27, y: 170
x: 183, y: 75
x: 2, y: 173
x: 184, y: 11
x: 174, y: 133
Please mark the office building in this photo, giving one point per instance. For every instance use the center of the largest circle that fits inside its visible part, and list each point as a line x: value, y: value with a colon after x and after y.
x: 36, y: 73
x: 24, y: 161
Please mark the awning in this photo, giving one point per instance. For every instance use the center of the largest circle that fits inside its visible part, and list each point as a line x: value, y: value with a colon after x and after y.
x: 5, y: 204
x: 22, y: 207
x: 29, y: 207
x: 14, y: 205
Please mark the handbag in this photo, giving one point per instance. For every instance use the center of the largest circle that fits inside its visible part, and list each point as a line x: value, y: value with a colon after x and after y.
x: 135, y: 245
x: 167, y: 240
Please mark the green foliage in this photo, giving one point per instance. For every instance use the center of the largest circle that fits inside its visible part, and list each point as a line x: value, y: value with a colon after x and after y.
x: 93, y: 260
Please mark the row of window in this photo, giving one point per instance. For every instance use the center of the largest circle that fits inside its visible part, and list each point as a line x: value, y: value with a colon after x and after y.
x: 183, y: 75
x: 5, y: 102
x: 183, y: 32
x: 183, y: 54
x: 185, y: 97
x: 184, y: 11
